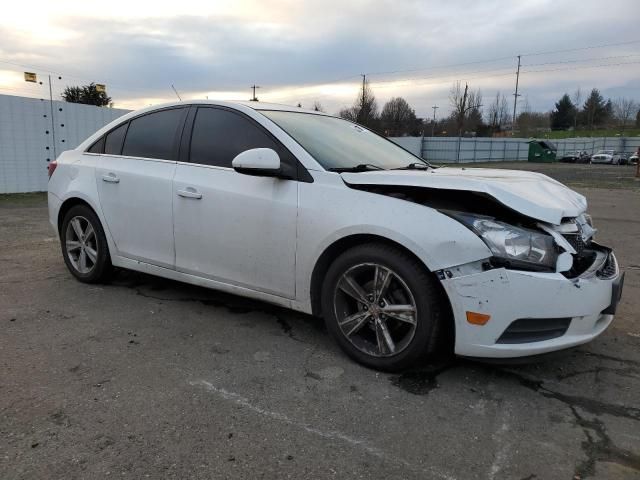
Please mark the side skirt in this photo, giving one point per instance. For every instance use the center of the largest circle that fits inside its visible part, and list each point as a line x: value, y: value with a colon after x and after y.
x: 143, y: 267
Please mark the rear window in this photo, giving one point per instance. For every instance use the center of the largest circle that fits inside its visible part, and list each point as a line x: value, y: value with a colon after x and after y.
x: 154, y: 135
x: 113, y: 140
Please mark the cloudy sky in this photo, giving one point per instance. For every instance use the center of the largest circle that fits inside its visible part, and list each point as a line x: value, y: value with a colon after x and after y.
x: 303, y: 51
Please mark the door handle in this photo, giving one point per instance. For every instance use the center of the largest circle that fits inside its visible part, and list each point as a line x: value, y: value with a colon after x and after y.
x: 111, y: 178
x: 190, y: 192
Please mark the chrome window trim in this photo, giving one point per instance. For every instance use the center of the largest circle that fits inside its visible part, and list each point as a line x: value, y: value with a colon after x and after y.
x: 202, y: 165
x: 145, y: 159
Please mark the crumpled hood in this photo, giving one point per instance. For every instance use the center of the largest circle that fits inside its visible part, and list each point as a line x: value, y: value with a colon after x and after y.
x: 532, y: 194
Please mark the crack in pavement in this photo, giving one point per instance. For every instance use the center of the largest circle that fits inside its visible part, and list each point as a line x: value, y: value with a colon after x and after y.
x: 327, y: 434
x: 601, y: 449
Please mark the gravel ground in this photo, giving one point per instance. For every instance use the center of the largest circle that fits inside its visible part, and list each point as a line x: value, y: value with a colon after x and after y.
x: 146, y: 377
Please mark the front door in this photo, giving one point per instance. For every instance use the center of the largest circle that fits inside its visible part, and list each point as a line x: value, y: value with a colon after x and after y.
x: 230, y: 227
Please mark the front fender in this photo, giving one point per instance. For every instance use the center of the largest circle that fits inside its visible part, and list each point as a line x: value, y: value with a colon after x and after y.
x: 436, y: 239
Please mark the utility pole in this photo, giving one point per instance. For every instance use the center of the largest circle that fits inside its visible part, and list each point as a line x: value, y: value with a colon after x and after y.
x: 362, y: 101
x: 463, y: 110
x: 433, y: 126
x: 515, y: 99
x: 254, y: 99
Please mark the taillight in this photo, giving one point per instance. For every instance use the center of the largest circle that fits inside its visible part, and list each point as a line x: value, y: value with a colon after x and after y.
x: 52, y: 167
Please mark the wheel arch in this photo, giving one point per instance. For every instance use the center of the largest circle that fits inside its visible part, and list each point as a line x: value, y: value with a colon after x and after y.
x: 67, y: 205
x: 342, y: 244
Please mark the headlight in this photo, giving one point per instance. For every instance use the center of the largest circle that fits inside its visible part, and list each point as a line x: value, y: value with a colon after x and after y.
x: 513, y: 244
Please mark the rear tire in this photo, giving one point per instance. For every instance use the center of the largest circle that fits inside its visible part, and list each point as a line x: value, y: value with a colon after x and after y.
x: 402, y: 317
x: 84, y: 245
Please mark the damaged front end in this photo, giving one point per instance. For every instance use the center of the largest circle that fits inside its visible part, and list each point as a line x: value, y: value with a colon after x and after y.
x: 545, y: 287
x: 517, y: 241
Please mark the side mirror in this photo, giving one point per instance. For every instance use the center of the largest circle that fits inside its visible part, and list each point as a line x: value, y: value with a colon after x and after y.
x: 261, y: 162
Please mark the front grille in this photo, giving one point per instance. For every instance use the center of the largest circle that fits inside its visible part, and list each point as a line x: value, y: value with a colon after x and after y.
x: 610, y: 267
x: 527, y: 330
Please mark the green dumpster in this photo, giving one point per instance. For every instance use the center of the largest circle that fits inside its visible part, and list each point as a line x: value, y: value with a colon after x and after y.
x: 542, y: 151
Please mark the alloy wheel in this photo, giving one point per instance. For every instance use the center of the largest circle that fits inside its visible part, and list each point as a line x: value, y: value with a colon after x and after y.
x: 81, y: 244
x: 375, y: 309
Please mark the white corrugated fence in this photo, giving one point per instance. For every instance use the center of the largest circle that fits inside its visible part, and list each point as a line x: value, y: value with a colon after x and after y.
x: 27, y: 135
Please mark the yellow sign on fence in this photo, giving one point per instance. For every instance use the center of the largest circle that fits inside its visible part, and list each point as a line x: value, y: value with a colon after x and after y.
x: 30, y: 77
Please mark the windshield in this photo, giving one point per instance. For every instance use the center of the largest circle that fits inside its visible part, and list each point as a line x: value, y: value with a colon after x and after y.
x: 339, y: 144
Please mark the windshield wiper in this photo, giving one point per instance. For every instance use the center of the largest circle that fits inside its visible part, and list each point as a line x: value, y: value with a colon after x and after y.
x: 414, y: 166
x: 361, y: 167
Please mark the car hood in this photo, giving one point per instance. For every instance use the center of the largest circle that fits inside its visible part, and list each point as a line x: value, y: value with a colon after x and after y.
x: 531, y: 194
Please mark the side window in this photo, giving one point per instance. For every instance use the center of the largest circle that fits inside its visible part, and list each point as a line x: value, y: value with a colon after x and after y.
x: 97, y: 147
x: 113, y: 140
x: 154, y: 135
x: 219, y: 135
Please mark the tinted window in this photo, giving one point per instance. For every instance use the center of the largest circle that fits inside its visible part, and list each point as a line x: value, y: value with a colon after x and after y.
x: 97, y: 147
x: 153, y: 135
x: 219, y: 135
x: 113, y: 140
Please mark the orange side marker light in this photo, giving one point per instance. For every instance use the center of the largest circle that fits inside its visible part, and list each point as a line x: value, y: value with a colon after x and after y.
x: 476, y: 318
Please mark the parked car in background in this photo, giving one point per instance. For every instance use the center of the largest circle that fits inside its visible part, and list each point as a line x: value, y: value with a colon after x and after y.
x: 610, y: 157
x: 576, y: 156
x: 633, y: 159
x: 321, y: 215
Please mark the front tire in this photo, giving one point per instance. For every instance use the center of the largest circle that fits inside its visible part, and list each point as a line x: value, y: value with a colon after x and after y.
x: 84, y: 245
x: 382, y: 306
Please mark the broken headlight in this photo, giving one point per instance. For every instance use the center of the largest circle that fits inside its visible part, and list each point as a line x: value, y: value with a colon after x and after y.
x: 513, y: 245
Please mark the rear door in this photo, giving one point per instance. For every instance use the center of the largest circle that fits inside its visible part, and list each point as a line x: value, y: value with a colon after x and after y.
x: 134, y: 179
x: 230, y: 227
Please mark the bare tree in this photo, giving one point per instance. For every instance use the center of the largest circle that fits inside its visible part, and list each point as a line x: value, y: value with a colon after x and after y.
x: 317, y: 106
x: 576, y: 99
x: 498, y: 112
x: 465, y: 106
x: 532, y: 123
x: 367, y: 106
x: 474, y: 114
x: 397, y: 117
x: 349, y: 113
x: 624, y: 110
x: 364, y: 110
x: 458, y: 101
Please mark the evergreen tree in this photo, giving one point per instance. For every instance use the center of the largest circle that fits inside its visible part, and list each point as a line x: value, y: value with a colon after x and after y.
x: 87, y: 94
x: 595, y: 109
x: 562, y: 117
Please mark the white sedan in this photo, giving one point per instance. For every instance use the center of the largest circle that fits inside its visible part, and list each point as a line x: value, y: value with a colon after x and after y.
x: 610, y: 157
x: 320, y: 215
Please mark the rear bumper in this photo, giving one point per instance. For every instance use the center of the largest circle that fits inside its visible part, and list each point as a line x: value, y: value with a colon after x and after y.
x: 54, y: 204
x: 574, y: 311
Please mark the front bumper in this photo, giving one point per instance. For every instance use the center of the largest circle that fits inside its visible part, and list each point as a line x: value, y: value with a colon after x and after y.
x: 585, y: 304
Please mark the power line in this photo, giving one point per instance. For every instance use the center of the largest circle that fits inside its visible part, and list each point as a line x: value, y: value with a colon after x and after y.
x: 582, y: 67
x: 592, y: 47
x: 497, y: 59
x: 436, y: 67
x: 592, y: 59
x: 441, y: 75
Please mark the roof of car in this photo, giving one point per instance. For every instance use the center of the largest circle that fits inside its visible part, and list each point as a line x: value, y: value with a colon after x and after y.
x: 226, y: 103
